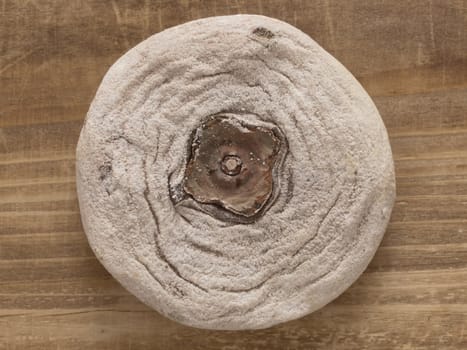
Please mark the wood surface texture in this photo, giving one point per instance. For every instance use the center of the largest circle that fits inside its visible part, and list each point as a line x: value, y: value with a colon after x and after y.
x: 411, y: 56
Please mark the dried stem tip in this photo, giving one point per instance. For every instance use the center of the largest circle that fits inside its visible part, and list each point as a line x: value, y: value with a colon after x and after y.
x: 231, y: 165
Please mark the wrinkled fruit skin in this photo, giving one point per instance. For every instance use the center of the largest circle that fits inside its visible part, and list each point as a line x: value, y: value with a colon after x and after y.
x: 232, y: 174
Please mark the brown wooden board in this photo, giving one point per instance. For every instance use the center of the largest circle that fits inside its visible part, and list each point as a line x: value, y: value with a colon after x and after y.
x: 411, y: 56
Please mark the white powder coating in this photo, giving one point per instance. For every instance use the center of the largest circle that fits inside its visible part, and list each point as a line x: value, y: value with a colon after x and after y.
x: 336, y: 186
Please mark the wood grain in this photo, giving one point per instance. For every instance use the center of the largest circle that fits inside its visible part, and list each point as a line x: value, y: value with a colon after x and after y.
x: 411, y: 57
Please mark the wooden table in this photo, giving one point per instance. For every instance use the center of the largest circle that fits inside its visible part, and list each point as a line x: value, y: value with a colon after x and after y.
x: 411, y: 56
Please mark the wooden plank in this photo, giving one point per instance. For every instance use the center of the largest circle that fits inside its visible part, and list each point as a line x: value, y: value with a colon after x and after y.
x: 411, y: 57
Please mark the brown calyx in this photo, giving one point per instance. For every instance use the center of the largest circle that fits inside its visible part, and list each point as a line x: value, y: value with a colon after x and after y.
x: 231, y: 164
